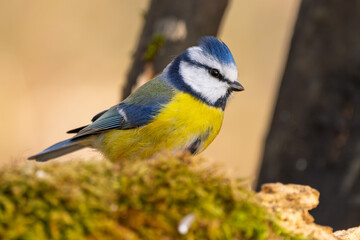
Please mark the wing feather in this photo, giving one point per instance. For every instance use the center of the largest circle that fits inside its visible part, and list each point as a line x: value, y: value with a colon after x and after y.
x: 135, y: 111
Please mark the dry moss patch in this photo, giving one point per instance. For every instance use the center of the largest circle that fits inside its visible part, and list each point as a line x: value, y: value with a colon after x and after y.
x: 139, y: 200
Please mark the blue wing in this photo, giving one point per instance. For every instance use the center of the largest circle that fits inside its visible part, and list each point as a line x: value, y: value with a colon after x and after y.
x: 135, y: 111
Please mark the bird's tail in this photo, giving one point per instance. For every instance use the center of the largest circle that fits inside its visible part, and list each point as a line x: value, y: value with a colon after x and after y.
x: 59, y: 149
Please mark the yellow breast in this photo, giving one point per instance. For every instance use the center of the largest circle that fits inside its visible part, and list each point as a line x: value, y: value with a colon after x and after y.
x: 177, y: 126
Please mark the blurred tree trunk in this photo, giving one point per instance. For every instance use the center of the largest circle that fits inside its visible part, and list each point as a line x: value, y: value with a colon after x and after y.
x: 171, y: 27
x: 314, y: 137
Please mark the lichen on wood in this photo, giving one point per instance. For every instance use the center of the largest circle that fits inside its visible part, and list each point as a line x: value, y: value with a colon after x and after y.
x: 154, y: 46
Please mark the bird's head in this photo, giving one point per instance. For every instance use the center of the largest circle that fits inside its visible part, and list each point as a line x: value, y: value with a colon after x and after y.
x: 207, y: 71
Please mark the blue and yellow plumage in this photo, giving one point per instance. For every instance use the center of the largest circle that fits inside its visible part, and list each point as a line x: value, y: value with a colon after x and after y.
x: 182, y: 109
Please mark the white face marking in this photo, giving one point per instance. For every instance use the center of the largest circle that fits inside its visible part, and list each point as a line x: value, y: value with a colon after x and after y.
x: 229, y: 71
x: 196, y: 54
x: 201, y: 81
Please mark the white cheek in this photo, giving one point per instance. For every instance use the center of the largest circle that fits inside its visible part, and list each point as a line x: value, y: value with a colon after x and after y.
x: 200, y: 81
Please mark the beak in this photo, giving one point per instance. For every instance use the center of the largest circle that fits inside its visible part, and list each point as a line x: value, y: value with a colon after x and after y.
x: 236, y: 86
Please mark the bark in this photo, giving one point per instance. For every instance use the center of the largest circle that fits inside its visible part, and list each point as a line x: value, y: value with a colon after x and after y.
x: 314, y: 137
x: 171, y: 27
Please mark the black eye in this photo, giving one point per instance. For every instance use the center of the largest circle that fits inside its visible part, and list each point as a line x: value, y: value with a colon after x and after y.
x: 214, y: 72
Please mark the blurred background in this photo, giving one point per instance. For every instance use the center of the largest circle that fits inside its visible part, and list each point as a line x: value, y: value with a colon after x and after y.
x: 61, y: 62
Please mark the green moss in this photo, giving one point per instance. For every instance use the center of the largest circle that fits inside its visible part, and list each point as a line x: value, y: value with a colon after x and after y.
x: 154, y: 46
x: 139, y: 200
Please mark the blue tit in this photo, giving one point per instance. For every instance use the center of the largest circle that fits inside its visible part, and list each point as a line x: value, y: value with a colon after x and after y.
x: 181, y: 109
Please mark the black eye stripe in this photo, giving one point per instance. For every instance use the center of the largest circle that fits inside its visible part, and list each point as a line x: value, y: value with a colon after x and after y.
x: 220, y: 76
x: 200, y: 65
x: 215, y: 73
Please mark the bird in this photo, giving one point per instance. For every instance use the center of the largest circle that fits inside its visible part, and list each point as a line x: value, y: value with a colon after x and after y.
x: 180, y: 110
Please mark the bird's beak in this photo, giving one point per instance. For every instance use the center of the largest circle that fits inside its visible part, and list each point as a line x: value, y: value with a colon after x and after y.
x: 236, y: 86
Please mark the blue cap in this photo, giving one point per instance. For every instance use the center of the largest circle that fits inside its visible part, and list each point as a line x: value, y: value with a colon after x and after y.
x: 216, y: 48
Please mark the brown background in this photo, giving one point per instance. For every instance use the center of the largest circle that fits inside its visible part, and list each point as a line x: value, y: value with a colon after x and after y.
x: 61, y: 62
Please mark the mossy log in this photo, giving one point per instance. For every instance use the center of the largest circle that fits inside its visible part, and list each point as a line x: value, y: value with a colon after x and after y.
x: 137, y: 200
x: 164, y: 198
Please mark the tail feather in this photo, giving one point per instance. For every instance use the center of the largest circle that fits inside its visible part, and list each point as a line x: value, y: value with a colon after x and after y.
x: 58, y: 150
